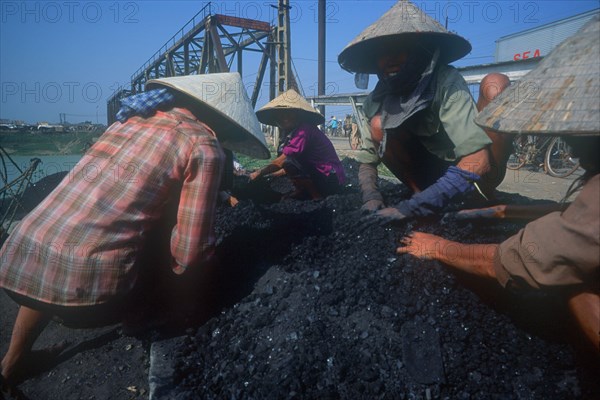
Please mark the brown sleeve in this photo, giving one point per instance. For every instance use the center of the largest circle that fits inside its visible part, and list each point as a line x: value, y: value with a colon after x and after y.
x: 557, y: 249
x: 367, y: 178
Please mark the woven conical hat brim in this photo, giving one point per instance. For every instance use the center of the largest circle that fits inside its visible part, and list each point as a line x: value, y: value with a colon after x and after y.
x: 561, y: 96
x: 289, y: 101
x: 221, y: 102
x: 404, y: 25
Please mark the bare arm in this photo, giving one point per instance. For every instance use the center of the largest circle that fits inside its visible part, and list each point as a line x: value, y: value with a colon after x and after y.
x: 585, y: 308
x: 478, y: 162
x: 274, y: 166
x: 527, y: 212
x: 476, y: 259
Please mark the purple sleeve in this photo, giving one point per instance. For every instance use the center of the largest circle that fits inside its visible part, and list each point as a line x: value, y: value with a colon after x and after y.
x: 297, y: 142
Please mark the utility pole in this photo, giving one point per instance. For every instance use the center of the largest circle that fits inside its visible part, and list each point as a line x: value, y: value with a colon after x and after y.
x: 286, y: 78
x: 321, y: 49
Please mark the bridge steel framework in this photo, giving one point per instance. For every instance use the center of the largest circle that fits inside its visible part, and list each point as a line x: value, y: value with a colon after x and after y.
x: 208, y: 43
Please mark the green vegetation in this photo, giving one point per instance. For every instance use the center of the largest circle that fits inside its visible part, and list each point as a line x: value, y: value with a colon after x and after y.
x: 35, y: 143
x: 251, y: 164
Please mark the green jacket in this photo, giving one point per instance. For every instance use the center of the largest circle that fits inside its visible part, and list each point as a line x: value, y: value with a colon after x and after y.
x: 445, y: 128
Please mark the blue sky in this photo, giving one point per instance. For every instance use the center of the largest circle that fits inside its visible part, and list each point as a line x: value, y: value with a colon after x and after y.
x: 69, y: 56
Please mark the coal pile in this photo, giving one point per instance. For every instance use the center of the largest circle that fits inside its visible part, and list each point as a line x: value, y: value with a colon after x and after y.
x: 316, y: 305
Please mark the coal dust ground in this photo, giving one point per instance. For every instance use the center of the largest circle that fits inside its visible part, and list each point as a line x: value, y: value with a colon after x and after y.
x: 310, y: 301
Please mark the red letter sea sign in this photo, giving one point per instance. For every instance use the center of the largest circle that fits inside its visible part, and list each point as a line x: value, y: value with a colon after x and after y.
x: 526, y: 54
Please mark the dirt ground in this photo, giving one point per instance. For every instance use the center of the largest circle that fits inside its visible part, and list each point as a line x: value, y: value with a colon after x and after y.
x: 310, y: 302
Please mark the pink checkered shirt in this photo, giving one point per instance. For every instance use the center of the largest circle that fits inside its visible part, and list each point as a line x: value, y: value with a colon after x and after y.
x: 83, y: 243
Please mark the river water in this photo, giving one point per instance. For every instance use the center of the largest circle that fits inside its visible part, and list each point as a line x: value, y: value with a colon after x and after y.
x: 49, y: 165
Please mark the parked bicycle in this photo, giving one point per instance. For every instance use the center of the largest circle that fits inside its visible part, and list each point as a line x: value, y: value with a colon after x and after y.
x: 551, y: 153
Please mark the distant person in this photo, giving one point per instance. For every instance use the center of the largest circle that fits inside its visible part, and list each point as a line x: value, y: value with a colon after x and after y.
x: 560, y: 252
x: 347, y: 125
x: 420, y: 114
x: 307, y: 156
x: 78, y: 255
x: 351, y: 132
x: 333, y: 126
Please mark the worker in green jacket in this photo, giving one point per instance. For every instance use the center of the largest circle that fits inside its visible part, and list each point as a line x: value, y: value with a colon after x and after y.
x: 420, y: 115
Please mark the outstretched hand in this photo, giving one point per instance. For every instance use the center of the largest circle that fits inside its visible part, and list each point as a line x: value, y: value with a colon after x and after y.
x: 254, y: 175
x: 372, y: 205
x: 390, y: 214
x: 498, y: 211
x: 421, y: 245
x: 233, y: 201
x: 378, y: 217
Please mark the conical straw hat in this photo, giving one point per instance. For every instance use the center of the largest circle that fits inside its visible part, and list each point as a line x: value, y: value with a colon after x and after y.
x: 289, y: 100
x: 404, y: 25
x: 220, y: 101
x: 560, y: 96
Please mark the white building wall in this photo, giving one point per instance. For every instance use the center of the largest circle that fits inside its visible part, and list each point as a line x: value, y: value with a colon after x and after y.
x: 541, y: 40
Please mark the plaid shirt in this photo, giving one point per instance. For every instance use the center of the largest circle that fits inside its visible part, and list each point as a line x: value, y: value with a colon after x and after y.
x: 83, y: 243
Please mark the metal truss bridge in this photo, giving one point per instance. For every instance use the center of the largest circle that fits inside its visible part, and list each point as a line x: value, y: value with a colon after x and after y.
x: 210, y: 43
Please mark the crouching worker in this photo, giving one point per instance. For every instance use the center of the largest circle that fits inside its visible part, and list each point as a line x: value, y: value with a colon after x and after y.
x: 307, y: 156
x: 559, y: 252
x: 420, y: 114
x: 79, y: 253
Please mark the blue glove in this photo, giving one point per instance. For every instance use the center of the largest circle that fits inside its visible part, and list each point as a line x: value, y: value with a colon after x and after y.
x: 431, y: 200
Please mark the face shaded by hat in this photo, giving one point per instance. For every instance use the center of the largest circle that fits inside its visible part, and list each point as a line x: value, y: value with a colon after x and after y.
x: 220, y: 101
x: 560, y: 96
x: 404, y: 28
x: 286, y: 103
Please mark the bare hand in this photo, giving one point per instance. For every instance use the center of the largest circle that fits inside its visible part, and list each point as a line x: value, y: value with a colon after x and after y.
x: 372, y: 205
x: 421, y: 245
x: 390, y: 214
x: 233, y: 201
x: 254, y: 175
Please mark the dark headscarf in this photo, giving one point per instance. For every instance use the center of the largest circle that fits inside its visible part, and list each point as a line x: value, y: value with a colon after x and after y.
x: 405, y: 93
